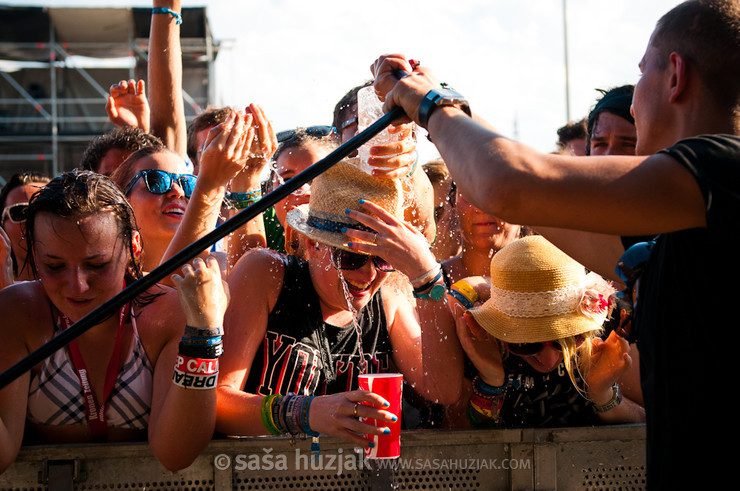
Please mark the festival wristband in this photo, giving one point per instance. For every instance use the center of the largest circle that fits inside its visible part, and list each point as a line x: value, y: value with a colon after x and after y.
x: 465, y: 301
x: 202, y: 332
x: 196, y: 366
x: 464, y: 288
x: 175, y: 15
x: 202, y: 350
x: 199, y: 382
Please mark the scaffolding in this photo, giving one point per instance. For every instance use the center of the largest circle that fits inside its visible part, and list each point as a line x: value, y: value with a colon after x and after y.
x: 56, y: 66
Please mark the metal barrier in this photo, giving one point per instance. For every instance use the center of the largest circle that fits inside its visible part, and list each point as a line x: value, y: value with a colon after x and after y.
x: 593, y: 458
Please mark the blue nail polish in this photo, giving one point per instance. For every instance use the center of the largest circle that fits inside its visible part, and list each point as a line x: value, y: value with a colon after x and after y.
x: 346, y: 212
x: 386, y: 431
x: 349, y: 244
x: 386, y: 403
x: 344, y: 230
x: 371, y: 445
x: 395, y: 418
x: 362, y: 201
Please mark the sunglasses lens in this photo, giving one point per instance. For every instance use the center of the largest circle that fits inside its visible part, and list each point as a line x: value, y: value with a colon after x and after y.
x: 525, y: 349
x: 187, y: 182
x: 348, y: 260
x: 382, y: 265
x: 285, y: 135
x: 17, y: 213
x: 320, y: 131
x: 158, y: 182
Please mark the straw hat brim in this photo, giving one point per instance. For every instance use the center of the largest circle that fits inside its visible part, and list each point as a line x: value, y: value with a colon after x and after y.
x: 298, y: 217
x: 531, y: 329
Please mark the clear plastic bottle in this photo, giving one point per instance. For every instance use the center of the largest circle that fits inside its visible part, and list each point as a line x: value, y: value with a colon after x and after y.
x: 369, y: 110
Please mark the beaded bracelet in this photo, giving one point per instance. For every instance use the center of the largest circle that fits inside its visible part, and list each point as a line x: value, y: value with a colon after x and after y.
x: 163, y: 10
x: 239, y: 201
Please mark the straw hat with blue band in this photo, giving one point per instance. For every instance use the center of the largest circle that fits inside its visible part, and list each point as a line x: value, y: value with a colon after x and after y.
x: 340, y: 188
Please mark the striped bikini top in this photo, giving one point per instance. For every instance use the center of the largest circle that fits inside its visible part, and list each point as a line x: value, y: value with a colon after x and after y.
x: 56, y: 396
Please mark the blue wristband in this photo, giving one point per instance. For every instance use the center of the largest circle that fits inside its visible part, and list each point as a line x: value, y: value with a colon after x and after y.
x: 164, y: 10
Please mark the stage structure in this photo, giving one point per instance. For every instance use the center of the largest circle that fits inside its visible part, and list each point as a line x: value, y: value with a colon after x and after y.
x: 56, y: 65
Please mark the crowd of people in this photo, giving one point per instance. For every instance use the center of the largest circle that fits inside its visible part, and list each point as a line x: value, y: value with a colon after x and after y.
x: 506, y: 309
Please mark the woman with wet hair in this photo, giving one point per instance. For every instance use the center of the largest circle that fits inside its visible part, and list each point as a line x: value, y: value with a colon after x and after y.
x: 14, y: 199
x: 305, y: 329
x: 131, y: 377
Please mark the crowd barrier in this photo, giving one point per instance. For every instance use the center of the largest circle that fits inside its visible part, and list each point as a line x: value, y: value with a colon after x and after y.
x: 593, y: 458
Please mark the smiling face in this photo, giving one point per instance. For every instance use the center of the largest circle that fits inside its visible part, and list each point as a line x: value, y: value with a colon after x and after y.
x: 158, y: 215
x: 361, y: 284
x: 81, y: 261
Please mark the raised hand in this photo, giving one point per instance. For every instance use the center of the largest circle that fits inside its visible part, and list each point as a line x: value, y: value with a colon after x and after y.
x: 610, y: 360
x: 127, y: 105
x: 204, y: 296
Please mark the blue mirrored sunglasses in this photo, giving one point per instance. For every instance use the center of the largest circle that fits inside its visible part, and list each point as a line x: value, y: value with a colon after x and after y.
x: 159, y: 182
x: 313, y: 131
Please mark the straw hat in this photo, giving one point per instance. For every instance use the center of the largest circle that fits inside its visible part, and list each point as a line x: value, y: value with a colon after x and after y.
x: 337, y: 189
x: 538, y: 293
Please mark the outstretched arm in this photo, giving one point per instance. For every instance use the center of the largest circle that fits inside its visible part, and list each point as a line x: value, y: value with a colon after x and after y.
x: 610, y: 194
x: 165, y: 79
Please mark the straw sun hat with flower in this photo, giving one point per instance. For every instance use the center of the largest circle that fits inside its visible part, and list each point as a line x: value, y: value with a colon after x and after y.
x: 538, y: 293
x: 337, y: 189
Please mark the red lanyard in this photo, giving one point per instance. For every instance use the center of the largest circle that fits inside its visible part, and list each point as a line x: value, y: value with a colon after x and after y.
x: 95, y: 411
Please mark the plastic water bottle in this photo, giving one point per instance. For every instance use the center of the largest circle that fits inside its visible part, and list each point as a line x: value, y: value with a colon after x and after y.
x: 369, y: 110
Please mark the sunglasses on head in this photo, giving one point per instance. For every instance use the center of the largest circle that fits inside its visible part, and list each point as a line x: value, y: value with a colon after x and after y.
x: 348, y: 261
x: 313, y: 131
x: 159, y: 182
x: 16, y: 213
x: 530, y: 349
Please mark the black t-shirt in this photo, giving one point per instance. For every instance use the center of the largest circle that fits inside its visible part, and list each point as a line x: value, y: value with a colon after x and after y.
x: 302, y: 354
x: 537, y: 400
x: 686, y: 321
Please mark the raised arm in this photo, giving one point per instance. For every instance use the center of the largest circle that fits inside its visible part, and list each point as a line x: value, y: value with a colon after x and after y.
x: 128, y: 106
x: 165, y: 78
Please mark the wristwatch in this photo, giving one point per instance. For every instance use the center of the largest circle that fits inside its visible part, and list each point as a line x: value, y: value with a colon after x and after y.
x: 436, y: 293
x: 615, y: 401
x: 440, y: 97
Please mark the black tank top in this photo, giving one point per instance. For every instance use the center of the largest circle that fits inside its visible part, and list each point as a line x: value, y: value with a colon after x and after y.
x: 302, y: 354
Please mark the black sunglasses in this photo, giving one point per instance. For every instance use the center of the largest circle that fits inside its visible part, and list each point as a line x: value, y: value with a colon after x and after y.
x: 529, y: 349
x: 159, y: 182
x: 348, y: 261
x: 16, y: 213
x: 313, y: 131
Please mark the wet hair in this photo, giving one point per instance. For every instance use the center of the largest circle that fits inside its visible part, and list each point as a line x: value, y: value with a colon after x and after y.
x: 617, y: 101
x: 18, y: 180
x: 77, y: 194
x: 346, y: 108
x: 126, y: 171
x: 574, y: 130
x: 207, y: 119
x: 126, y: 138
x: 706, y: 33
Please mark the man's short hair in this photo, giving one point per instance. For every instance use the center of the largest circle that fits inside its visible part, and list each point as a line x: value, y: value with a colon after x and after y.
x: 209, y: 118
x: 346, y: 108
x: 574, y: 130
x: 706, y: 33
x: 126, y: 138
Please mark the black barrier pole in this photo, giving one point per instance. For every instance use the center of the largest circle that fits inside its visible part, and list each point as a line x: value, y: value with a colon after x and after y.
x: 168, y: 267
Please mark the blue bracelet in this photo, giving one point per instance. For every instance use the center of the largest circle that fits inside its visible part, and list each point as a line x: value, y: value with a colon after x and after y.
x: 164, y: 10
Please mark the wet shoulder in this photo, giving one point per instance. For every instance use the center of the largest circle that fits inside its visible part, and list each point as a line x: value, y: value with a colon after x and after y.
x: 259, y: 272
x: 26, y: 313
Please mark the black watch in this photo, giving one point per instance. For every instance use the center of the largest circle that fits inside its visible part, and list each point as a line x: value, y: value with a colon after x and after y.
x: 440, y: 97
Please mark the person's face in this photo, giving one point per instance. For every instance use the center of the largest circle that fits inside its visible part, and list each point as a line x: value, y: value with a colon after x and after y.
x: 545, y: 361
x: 481, y: 230
x: 647, y: 105
x: 158, y: 215
x: 111, y: 160
x: 576, y: 146
x: 17, y: 231
x: 358, y: 285
x: 291, y: 162
x: 613, y: 135
x: 81, y: 261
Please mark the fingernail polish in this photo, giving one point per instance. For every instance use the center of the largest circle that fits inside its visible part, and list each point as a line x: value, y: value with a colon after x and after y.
x: 386, y: 403
x: 349, y: 244
x: 371, y: 445
x: 346, y: 212
x: 362, y: 201
x: 344, y: 230
x: 395, y: 418
x: 386, y: 431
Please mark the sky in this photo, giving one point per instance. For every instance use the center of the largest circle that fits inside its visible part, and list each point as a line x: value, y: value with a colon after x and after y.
x: 297, y: 58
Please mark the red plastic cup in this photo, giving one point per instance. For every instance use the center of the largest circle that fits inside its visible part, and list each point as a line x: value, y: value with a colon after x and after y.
x: 389, y: 386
